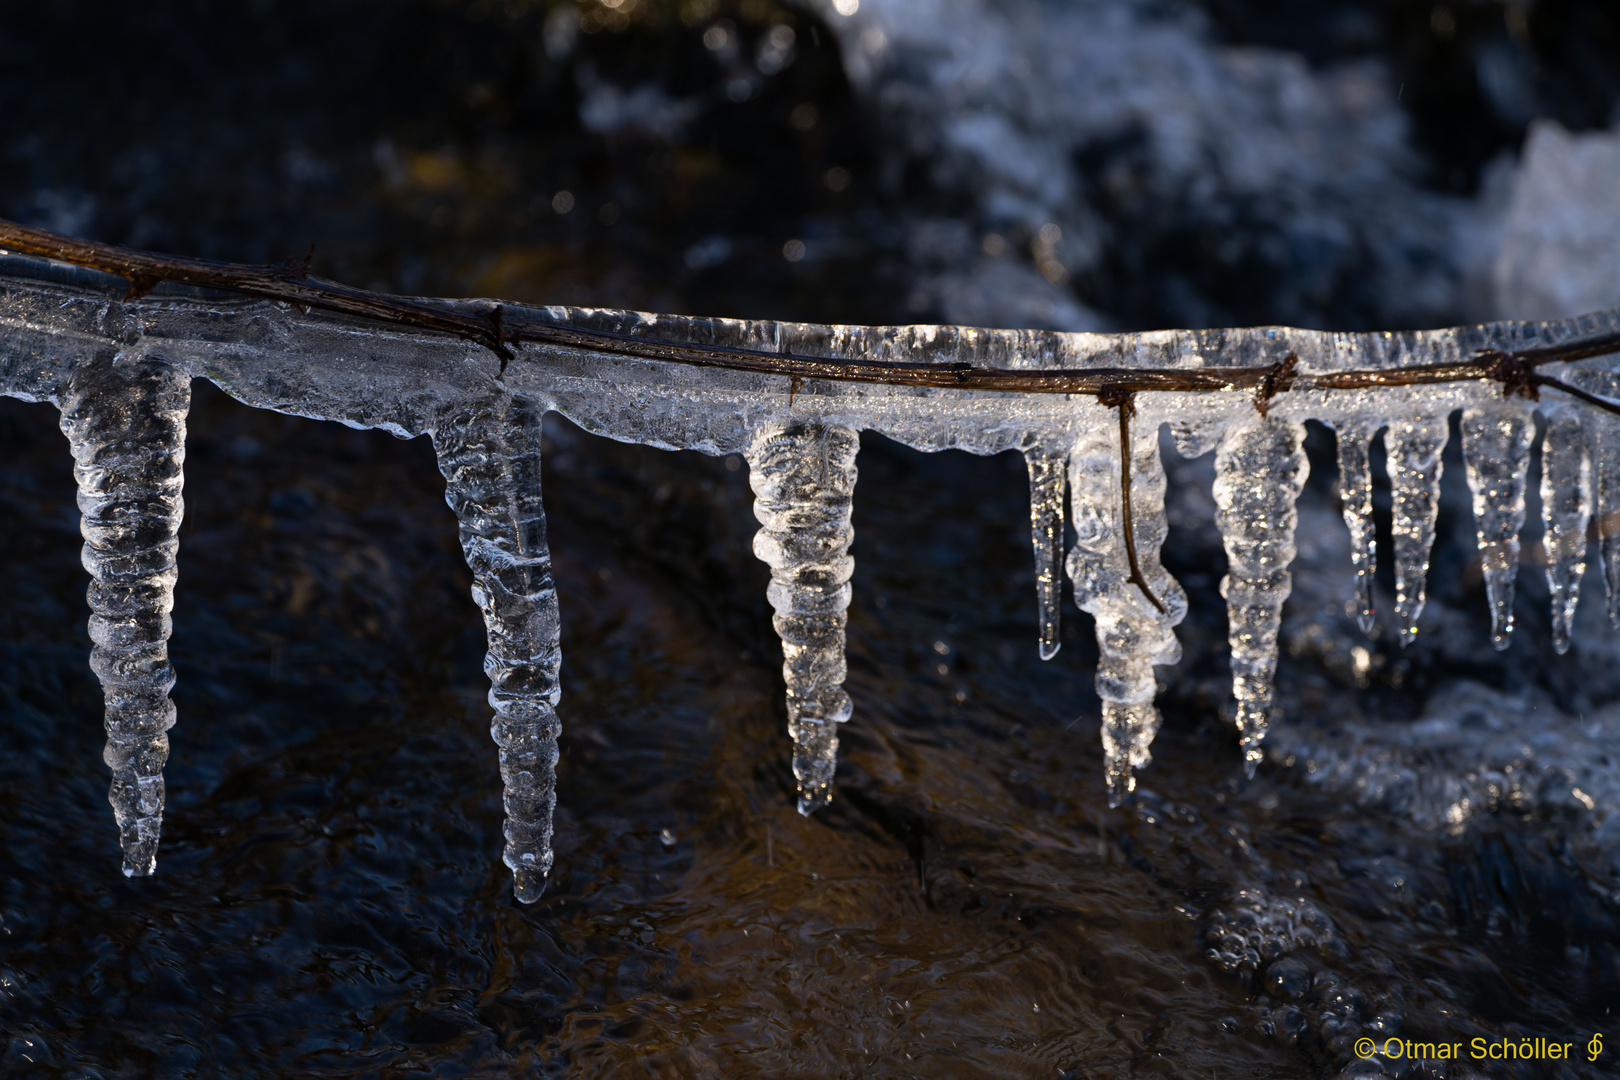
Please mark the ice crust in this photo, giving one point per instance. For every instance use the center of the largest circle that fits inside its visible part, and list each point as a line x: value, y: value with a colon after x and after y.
x: 119, y: 370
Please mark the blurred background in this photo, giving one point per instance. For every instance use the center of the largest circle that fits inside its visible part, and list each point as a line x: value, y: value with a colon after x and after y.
x: 1426, y: 853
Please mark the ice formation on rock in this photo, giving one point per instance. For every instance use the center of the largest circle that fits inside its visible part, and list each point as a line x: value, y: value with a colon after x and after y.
x: 119, y: 371
x: 1034, y: 114
x: 1560, y: 248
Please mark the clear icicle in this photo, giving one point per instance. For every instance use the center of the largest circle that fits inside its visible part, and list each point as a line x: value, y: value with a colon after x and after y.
x: 125, y: 418
x: 1496, y: 449
x: 1605, y: 449
x: 1046, y: 476
x: 1416, y: 450
x: 1566, y: 504
x: 1355, y: 492
x: 490, y: 457
x: 1132, y: 634
x: 803, y: 477
x: 1259, y: 471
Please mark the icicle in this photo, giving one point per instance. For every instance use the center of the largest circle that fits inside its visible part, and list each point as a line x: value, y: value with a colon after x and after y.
x: 1605, y: 449
x: 125, y: 418
x: 1133, y: 634
x: 1566, y: 506
x: 803, y: 478
x: 1259, y: 471
x: 1496, y: 449
x: 1355, y: 492
x: 1046, y: 469
x: 1415, y: 452
x: 490, y: 458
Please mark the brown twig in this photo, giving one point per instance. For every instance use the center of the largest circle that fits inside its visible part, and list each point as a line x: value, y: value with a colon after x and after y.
x: 1516, y: 374
x: 1277, y: 380
x: 1126, y: 403
x: 289, y: 282
x: 1574, y: 392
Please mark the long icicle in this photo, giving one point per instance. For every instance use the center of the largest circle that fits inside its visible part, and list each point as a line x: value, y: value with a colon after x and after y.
x: 1259, y: 471
x: 1605, y: 447
x: 803, y: 477
x: 1136, y: 604
x: 125, y: 418
x: 1415, y: 453
x: 1566, y: 507
x: 1496, y: 449
x: 1046, y: 480
x: 1355, y: 493
x: 490, y: 457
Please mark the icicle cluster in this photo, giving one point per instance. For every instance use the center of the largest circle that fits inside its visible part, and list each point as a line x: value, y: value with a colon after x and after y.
x: 64, y: 338
x: 125, y: 418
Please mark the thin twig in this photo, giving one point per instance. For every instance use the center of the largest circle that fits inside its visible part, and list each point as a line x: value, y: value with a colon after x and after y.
x: 498, y: 329
x: 290, y: 283
x: 1575, y: 392
x: 1126, y: 403
x: 1279, y: 380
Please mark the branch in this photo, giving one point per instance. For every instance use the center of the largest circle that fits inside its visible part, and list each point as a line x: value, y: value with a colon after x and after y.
x: 1126, y: 403
x: 497, y: 329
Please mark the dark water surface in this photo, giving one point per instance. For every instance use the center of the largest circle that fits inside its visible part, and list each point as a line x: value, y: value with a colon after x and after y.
x: 330, y: 901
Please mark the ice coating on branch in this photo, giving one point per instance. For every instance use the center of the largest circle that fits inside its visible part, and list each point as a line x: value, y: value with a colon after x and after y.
x: 1046, y: 479
x: 125, y: 418
x: 489, y: 454
x: 1355, y: 493
x: 803, y: 477
x: 1496, y: 449
x: 1414, y: 450
x: 1132, y: 634
x: 1259, y: 472
x: 1566, y: 506
x: 484, y: 418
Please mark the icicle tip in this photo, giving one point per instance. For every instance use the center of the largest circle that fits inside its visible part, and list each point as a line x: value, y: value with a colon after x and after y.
x: 528, y: 884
